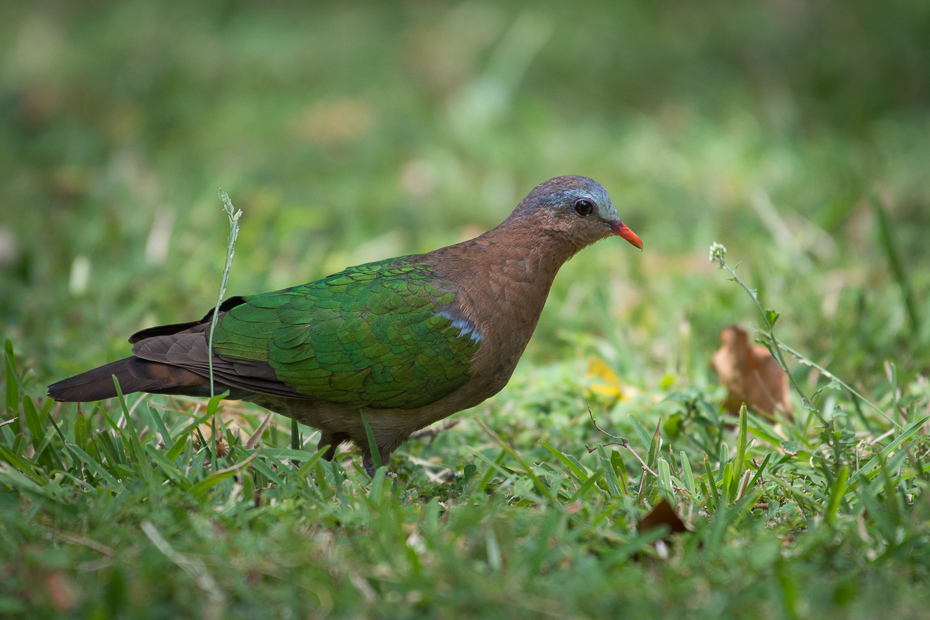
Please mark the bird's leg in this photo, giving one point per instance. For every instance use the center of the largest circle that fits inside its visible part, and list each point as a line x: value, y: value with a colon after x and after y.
x: 332, y: 440
x: 368, y: 465
x: 368, y: 462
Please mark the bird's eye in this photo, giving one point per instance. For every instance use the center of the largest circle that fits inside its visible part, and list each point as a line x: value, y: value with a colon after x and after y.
x: 584, y: 208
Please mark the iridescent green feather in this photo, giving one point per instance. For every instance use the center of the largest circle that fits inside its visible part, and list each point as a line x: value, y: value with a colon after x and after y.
x: 369, y: 336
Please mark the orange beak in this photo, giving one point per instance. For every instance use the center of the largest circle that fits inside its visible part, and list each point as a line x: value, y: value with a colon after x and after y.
x: 621, y: 230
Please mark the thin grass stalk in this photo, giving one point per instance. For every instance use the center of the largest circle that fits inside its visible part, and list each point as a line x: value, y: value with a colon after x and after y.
x: 769, y: 317
x: 233, y: 216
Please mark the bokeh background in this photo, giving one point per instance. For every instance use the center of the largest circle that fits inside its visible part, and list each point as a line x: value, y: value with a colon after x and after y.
x: 354, y: 132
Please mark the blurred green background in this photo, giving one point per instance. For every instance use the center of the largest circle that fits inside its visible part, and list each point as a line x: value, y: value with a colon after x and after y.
x: 354, y: 132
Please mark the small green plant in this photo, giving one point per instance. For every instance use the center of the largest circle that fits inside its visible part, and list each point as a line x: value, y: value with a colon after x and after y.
x: 829, y: 433
x: 233, y: 216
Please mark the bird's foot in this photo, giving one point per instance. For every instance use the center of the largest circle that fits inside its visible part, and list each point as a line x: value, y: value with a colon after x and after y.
x: 369, y: 468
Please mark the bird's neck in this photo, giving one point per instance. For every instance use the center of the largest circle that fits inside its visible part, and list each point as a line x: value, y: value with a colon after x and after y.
x: 505, y: 276
x: 519, y: 251
x: 516, y: 258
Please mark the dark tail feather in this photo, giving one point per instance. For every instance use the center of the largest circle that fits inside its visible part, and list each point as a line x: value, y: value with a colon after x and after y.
x: 134, y: 374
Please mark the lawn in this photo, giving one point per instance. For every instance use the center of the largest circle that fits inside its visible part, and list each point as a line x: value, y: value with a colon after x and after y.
x: 795, y: 134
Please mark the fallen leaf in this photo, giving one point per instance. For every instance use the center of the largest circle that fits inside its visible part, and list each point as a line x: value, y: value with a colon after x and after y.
x: 662, y: 514
x: 751, y: 374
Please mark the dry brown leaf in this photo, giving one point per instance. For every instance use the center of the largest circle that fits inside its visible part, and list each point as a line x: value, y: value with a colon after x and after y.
x: 662, y: 514
x: 751, y: 374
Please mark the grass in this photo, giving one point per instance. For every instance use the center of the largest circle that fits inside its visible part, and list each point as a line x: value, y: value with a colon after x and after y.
x: 102, y: 508
x: 797, y: 138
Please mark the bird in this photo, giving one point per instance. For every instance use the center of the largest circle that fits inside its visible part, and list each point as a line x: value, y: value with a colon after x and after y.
x: 402, y: 342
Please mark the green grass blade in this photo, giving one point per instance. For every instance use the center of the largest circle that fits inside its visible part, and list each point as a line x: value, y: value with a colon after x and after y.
x: 543, y: 488
x: 376, y: 492
x: 212, y: 406
x: 32, y: 422
x: 96, y: 468
x: 213, y: 479
x: 573, y: 467
x: 40, y: 455
x: 741, y: 445
x: 106, y: 416
x: 904, y: 436
x: 21, y: 464
x: 640, y: 431
x: 833, y: 377
x: 892, y: 253
x: 195, y: 423
x: 665, y: 479
x: 759, y: 471
x: 613, y: 484
x: 160, y: 425
x: 686, y: 473
x: 166, y: 466
x: 295, y: 435
x: 372, y: 446
x: 894, y: 389
x: 14, y: 478
x: 81, y: 432
x: 839, y: 488
x: 41, y: 437
x: 110, y: 449
x: 495, y: 464
x: 67, y: 454
x: 764, y: 436
x: 730, y: 482
x: 13, y: 386
x: 311, y: 462
x: 655, y: 445
x: 263, y: 468
x: 177, y: 448
x: 711, y: 482
x: 19, y: 444
x: 137, y: 455
x: 724, y: 461
x: 587, y: 486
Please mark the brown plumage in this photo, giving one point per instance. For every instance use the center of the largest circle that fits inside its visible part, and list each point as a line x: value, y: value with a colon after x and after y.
x: 482, y: 297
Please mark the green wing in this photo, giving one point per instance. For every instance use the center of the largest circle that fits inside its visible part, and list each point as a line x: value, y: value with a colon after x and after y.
x: 381, y: 335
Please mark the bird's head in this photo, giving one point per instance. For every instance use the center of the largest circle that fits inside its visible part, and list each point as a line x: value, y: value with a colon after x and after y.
x: 573, y: 206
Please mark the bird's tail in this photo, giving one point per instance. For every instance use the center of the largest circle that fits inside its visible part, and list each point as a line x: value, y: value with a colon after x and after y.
x: 134, y: 374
